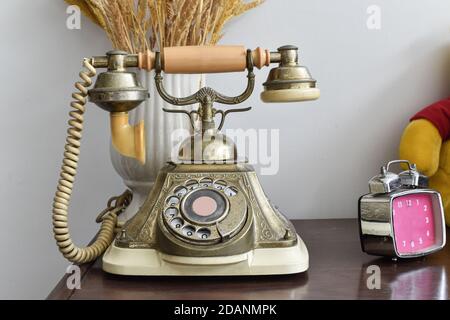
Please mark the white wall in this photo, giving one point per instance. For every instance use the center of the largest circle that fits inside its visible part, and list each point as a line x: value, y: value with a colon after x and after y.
x: 371, y: 82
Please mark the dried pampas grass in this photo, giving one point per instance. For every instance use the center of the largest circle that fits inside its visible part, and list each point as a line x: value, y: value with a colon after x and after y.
x: 138, y: 25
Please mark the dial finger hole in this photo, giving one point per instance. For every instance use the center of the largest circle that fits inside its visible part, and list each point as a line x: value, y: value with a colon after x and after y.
x: 231, y: 191
x: 220, y: 185
x: 171, y: 212
x: 192, y: 184
x: 188, y: 231
x: 203, y: 233
x: 206, y: 182
x: 173, y: 201
x: 177, y: 223
x: 180, y: 191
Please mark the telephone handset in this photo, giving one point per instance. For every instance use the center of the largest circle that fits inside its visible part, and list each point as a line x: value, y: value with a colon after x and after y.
x: 207, y: 209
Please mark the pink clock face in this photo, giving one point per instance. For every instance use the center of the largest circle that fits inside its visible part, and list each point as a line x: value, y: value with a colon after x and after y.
x: 414, y: 225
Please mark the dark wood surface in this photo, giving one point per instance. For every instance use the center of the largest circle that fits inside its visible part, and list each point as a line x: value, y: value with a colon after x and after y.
x: 338, y: 270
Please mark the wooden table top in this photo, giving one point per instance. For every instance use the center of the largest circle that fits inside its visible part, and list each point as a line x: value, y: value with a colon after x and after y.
x: 338, y: 270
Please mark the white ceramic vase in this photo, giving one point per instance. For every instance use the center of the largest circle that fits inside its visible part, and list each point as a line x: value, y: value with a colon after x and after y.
x: 159, y: 127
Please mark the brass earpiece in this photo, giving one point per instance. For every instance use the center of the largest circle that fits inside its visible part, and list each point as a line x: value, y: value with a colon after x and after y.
x: 289, y: 82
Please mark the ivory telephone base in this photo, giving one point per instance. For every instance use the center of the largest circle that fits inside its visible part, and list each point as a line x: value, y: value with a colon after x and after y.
x: 150, y: 262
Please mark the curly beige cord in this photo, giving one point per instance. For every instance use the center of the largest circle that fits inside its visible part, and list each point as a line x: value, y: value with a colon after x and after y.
x: 67, y: 177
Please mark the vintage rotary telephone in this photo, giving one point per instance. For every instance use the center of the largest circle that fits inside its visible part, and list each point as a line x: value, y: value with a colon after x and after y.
x: 207, y: 213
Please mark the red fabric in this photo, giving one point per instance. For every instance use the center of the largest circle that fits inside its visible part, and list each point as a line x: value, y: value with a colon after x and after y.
x: 439, y: 115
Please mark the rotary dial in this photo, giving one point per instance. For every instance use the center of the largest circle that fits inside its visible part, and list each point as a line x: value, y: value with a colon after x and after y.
x: 205, y: 211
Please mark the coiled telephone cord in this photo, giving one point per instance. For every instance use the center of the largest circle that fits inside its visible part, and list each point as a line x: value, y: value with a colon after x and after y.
x: 108, y: 217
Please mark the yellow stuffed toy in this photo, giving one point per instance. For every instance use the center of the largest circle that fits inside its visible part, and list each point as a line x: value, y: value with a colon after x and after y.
x: 426, y: 142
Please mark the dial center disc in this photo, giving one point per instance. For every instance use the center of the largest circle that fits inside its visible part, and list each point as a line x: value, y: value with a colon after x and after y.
x: 204, y: 206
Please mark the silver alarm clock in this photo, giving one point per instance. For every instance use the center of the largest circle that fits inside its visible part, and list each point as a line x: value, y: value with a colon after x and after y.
x: 401, y: 217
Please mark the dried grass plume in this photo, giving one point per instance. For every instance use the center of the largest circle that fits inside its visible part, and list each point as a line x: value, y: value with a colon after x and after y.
x: 138, y: 25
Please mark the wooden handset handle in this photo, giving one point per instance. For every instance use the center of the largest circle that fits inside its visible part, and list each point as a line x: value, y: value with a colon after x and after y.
x: 204, y: 59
